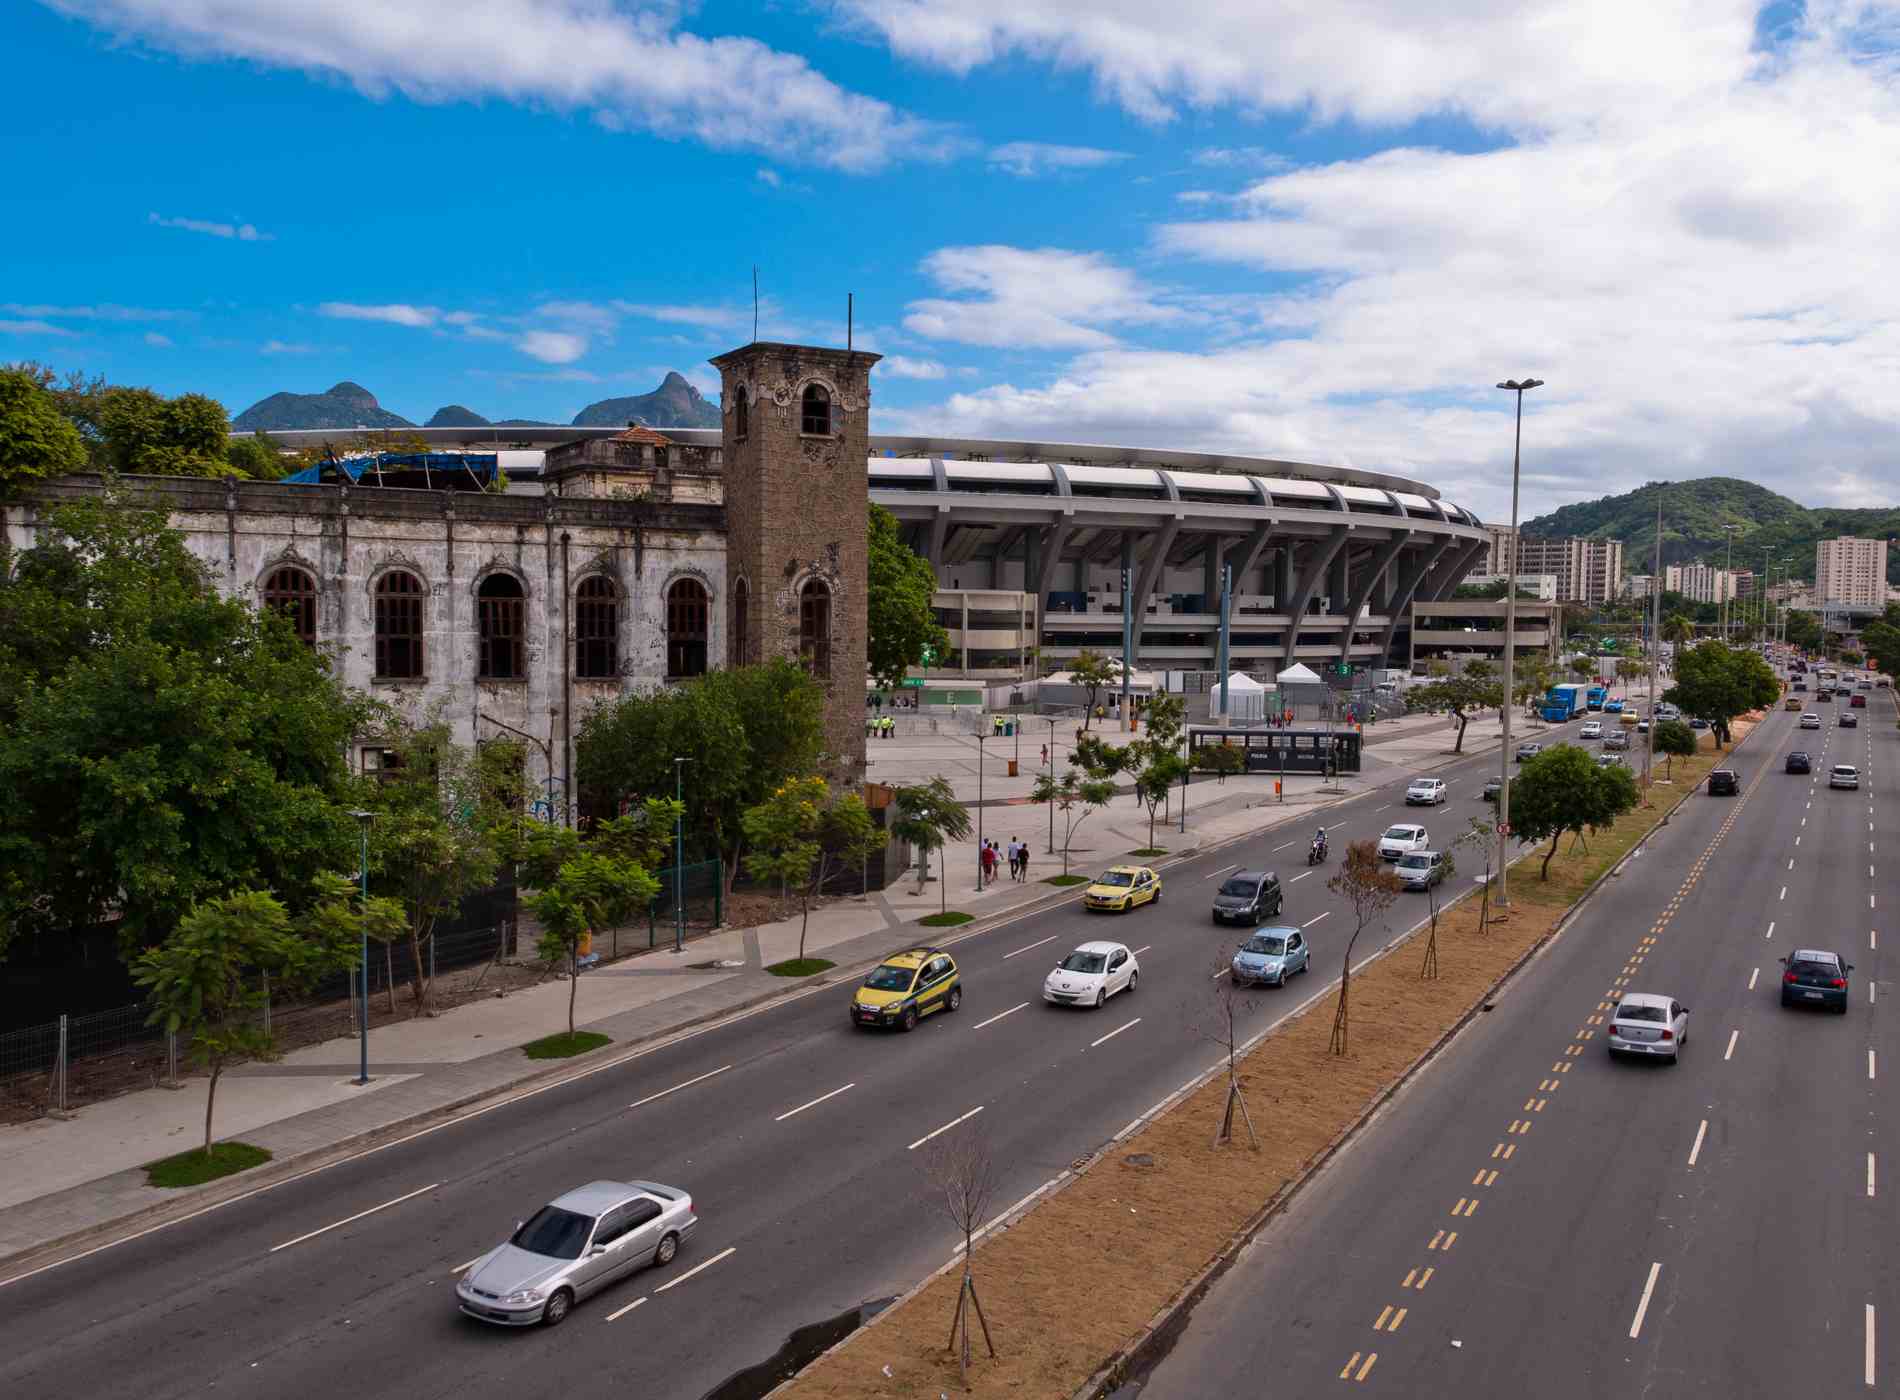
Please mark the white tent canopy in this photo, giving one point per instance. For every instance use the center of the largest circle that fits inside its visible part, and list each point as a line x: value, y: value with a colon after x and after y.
x: 1297, y: 674
x: 1240, y: 681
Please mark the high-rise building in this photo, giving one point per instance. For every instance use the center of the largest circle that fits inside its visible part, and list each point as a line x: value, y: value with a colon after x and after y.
x: 1587, y: 570
x: 1700, y: 583
x: 1498, y: 559
x: 1851, y: 571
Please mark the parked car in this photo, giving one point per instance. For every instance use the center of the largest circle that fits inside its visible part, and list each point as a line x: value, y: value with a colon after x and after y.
x: 1090, y: 975
x: 1810, y: 720
x: 1270, y: 957
x: 1850, y: 720
x: 1525, y: 751
x: 1121, y: 888
x: 1844, y: 775
x: 1428, y: 792
x: 576, y: 1245
x: 1723, y: 782
x: 1799, y: 762
x: 1648, y: 1024
x: 1815, y: 977
x: 1698, y: 723
x: 1402, y: 840
x: 1247, y: 897
x: 1420, y: 870
x: 1592, y: 729
x: 906, y: 987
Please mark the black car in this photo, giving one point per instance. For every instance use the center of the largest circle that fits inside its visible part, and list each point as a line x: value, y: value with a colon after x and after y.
x: 1247, y: 897
x: 1815, y: 978
x: 1698, y: 723
x: 1849, y: 720
x: 1724, y: 783
x: 1492, y: 787
x: 1799, y: 762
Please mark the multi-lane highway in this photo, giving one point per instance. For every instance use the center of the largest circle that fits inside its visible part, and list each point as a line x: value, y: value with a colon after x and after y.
x: 1528, y: 1218
x: 798, y: 1137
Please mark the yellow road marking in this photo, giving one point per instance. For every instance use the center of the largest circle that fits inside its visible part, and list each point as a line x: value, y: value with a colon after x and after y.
x: 1497, y: 1151
x: 1437, y: 1235
x: 1370, y: 1358
x: 1384, y: 1313
x: 1509, y: 1148
x: 1491, y: 1178
x: 1345, y: 1372
x: 1540, y: 1106
x: 1426, y: 1277
x: 1410, y: 1274
x: 1451, y: 1239
x: 1472, y: 1209
x: 1478, y: 1180
x: 1563, y: 1069
x: 1459, y: 1209
x: 1397, y: 1318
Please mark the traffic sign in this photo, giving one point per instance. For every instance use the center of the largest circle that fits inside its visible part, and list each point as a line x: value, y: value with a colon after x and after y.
x: 1504, y: 828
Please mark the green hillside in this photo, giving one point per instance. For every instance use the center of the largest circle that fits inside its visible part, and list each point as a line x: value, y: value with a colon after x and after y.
x: 675, y: 404
x: 1694, y: 513
x: 344, y: 405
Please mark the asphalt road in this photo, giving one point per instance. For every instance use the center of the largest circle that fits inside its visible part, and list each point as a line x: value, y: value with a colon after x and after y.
x: 796, y: 1135
x: 1529, y: 1218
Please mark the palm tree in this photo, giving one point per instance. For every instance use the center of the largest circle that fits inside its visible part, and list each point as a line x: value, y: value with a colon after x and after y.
x: 1678, y: 628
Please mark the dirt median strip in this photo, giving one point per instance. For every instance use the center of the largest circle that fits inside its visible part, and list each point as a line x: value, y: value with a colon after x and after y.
x: 1090, y: 1279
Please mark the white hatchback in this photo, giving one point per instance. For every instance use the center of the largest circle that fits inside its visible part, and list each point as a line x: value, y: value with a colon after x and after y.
x: 1402, y: 840
x: 1592, y: 729
x: 1090, y: 975
x: 1810, y: 720
x: 1648, y: 1024
x: 1843, y: 775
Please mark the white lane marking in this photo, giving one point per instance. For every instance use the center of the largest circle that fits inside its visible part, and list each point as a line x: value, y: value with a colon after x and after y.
x: 1143, y: 948
x: 1287, y: 847
x: 1868, y: 1372
x: 1872, y: 987
x: 430, y: 1187
x: 999, y: 1016
x: 793, y: 1113
x: 1297, y: 878
x: 1316, y: 918
x: 725, y: 1253
x: 1696, y: 1151
x: 1217, y: 976
x: 1117, y: 1031
x: 1732, y: 1036
x: 1219, y: 873
x: 461, y: 1268
x: 1751, y: 978
x: 1784, y: 891
x: 1870, y: 1064
x: 1870, y: 1176
x: 1873, y: 938
x: 1037, y: 944
x: 1791, y: 862
x: 1797, y: 841
x: 677, y: 1087
x: 616, y: 1316
x: 1771, y: 929
x: 1643, y: 1306
x: 944, y: 1129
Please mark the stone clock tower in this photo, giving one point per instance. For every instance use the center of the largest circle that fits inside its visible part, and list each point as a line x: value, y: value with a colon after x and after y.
x: 795, y: 439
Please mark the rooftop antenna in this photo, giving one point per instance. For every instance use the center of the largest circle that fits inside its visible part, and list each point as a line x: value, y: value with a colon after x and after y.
x: 850, y: 309
x: 755, y: 303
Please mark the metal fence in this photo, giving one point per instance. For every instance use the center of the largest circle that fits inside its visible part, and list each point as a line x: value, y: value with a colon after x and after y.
x: 692, y: 899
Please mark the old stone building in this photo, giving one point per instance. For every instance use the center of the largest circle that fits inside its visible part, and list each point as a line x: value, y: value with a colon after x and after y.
x: 635, y: 561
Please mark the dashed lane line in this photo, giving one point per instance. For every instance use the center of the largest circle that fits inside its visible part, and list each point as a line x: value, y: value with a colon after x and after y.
x: 411, y: 1195
x: 1642, y: 1307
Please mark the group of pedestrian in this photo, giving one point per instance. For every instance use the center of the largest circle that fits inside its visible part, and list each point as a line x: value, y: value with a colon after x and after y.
x: 882, y: 727
x: 989, y: 856
x: 875, y: 701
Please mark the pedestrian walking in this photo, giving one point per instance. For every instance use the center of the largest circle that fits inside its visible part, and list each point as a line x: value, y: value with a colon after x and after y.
x: 1022, y: 863
x: 1045, y: 755
x: 1015, y: 856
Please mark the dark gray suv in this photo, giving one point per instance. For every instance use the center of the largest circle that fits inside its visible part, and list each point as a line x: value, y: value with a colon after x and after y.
x: 1247, y: 897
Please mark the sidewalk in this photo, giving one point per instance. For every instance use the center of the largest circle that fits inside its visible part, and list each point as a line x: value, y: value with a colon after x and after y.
x: 65, y: 1179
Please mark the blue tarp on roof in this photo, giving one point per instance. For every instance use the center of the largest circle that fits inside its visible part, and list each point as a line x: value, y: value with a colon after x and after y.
x: 437, y: 471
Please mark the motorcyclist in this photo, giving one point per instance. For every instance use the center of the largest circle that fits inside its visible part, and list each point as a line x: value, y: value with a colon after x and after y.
x: 1319, y: 842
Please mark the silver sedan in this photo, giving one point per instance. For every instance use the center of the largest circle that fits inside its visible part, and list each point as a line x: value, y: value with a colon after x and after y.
x: 577, y: 1244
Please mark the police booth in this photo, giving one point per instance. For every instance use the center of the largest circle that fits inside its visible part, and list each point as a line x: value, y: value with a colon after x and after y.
x: 1277, y: 751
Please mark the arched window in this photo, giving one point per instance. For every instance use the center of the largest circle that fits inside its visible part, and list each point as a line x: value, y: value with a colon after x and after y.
x: 293, y: 593
x: 814, y: 628
x: 741, y: 416
x: 399, y: 627
x: 816, y: 415
x: 741, y: 624
x: 501, y: 610
x: 596, y: 628
x: 686, y: 628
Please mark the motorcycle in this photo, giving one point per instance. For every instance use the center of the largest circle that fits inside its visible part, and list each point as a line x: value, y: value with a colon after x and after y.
x: 1316, y: 853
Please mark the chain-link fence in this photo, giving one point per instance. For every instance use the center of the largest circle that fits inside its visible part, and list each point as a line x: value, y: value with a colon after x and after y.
x: 691, y: 900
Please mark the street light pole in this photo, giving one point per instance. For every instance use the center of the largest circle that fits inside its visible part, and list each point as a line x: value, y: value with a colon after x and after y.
x: 679, y: 853
x: 1052, y: 778
x: 979, y: 803
x: 1518, y: 387
x: 1728, y: 587
x: 362, y: 1076
x: 1655, y: 648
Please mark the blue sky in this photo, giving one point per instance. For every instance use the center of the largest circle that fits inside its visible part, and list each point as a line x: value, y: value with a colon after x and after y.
x: 1317, y: 238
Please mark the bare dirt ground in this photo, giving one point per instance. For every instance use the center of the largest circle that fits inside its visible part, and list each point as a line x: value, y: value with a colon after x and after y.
x: 1085, y: 1272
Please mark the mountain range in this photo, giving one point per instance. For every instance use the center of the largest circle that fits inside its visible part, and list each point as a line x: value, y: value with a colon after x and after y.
x: 1694, y: 514
x: 675, y: 404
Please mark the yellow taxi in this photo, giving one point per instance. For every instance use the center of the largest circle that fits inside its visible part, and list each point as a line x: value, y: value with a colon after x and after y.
x: 906, y: 987
x: 1121, y: 888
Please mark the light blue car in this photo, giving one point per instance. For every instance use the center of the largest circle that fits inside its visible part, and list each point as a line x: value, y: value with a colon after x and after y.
x: 1270, y: 957
x: 1613, y: 707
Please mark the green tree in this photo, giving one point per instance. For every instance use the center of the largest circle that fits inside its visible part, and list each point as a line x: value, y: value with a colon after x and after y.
x: 802, y: 836
x: 1224, y: 761
x: 1479, y: 669
x: 900, y: 622
x: 1678, y: 628
x: 1564, y: 789
x: 1717, y: 683
x: 1804, y: 631
x: 1583, y: 667
x: 1092, y: 670
x: 596, y: 886
x: 929, y: 817
x: 1368, y: 887
x: 206, y: 981
x: 1156, y: 756
x: 1881, y: 640
x: 257, y: 457
x: 1674, y: 739
x: 1458, y: 696
x: 159, y: 744
x: 1079, y: 791
x: 36, y: 439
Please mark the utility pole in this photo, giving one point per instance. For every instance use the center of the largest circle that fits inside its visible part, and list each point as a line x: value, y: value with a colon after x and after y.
x: 1655, y: 647
x: 1728, y: 586
x: 1517, y: 387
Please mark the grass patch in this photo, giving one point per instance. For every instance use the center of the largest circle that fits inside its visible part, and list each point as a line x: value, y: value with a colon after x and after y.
x: 559, y: 1047
x: 1065, y: 879
x: 800, y: 967
x: 946, y: 920
x: 1150, y: 851
x: 195, y: 1168
x: 1068, y: 1285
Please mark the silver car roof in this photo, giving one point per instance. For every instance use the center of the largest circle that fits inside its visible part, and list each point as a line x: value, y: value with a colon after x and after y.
x: 1642, y: 999
x: 596, y: 1197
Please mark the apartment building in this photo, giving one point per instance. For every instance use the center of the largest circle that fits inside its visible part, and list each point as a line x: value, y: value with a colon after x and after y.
x: 1700, y: 583
x: 1851, y: 571
x: 1587, y: 570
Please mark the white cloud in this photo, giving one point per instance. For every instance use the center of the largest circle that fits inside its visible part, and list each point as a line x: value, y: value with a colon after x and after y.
x: 32, y: 327
x: 552, y: 347
x: 591, y: 315
x: 243, y: 233
x: 157, y: 341
x: 631, y: 69
x: 1047, y: 298
x: 288, y: 347
x: 104, y: 311
x: 1029, y: 158
x: 395, y: 313
x: 905, y: 367
x: 767, y: 176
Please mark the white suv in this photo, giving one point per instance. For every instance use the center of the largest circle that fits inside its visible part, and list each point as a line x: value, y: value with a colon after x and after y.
x: 1428, y: 791
x: 1844, y: 775
x: 1403, y: 840
x: 1592, y: 729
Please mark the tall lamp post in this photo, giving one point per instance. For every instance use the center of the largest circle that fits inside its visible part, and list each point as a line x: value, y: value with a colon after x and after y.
x: 1728, y: 587
x: 979, y: 803
x: 679, y: 854
x: 1052, y: 778
x: 1518, y: 387
x: 363, y: 820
